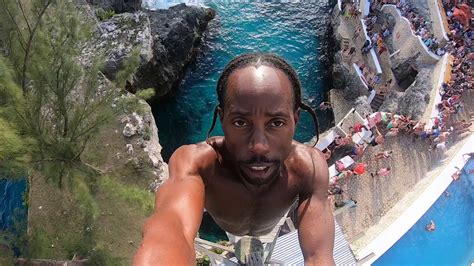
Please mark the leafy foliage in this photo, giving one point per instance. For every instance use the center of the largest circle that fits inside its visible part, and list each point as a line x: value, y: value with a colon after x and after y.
x: 103, y: 15
x: 50, y: 104
x: 129, y: 66
x: 134, y: 195
x: 15, y: 146
x: 62, y: 104
x: 146, y: 94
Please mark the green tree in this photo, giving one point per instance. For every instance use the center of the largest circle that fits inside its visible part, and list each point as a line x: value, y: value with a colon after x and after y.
x: 52, y: 103
x: 15, y: 146
x: 64, y: 102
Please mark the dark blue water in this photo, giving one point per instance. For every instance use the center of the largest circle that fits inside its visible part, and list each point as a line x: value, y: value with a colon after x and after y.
x: 295, y: 31
x: 13, y: 210
x: 452, y: 243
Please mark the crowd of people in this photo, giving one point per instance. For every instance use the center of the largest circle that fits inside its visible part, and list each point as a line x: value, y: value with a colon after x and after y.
x: 372, y: 79
x: 420, y: 25
x: 383, y: 125
x: 376, y: 34
x: 451, y: 92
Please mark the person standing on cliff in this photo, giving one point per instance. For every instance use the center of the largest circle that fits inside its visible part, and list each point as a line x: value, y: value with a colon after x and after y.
x: 247, y: 179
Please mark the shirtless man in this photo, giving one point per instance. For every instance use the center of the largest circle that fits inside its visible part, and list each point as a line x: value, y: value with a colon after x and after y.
x: 248, y: 179
x: 383, y: 155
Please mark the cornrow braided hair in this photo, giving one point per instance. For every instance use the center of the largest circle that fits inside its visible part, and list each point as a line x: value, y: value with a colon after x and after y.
x: 256, y: 60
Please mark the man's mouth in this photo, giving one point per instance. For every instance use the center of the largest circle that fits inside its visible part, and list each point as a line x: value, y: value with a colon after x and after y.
x: 260, y: 170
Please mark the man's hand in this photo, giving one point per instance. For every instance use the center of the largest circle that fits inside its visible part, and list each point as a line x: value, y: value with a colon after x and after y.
x: 316, y: 222
x: 168, y: 235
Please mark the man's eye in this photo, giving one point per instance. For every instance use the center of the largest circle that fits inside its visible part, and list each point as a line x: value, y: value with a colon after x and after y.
x: 277, y: 123
x: 240, y: 123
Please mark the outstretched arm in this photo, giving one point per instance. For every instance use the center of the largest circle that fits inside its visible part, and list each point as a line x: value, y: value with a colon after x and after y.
x: 315, y: 219
x: 168, y: 235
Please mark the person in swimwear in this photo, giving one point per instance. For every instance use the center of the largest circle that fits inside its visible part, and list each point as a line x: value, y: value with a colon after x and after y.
x: 382, y: 172
x: 342, y: 141
x: 357, y: 151
x: 431, y: 226
x: 247, y: 179
x: 383, y: 155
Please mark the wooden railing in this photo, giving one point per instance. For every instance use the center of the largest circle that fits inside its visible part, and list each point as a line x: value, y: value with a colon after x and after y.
x: 444, y: 20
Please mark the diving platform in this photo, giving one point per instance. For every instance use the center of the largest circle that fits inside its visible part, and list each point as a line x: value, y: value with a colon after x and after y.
x: 288, y: 252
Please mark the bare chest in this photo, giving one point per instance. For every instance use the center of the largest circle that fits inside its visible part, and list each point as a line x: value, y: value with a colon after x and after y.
x: 239, y: 211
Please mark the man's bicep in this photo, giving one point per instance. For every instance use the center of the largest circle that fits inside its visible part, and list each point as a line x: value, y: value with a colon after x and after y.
x: 315, y: 219
x: 182, y: 195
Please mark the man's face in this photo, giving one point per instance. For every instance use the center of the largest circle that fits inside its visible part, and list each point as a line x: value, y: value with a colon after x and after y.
x: 258, y: 122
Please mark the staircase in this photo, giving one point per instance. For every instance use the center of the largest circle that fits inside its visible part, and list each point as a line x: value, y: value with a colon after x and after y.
x: 377, y: 101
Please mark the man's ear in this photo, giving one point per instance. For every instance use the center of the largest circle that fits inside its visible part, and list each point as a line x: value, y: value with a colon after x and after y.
x: 297, y: 115
x: 220, y: 111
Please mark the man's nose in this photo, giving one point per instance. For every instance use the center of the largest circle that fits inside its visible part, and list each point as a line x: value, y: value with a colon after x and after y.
x: 259, y: 143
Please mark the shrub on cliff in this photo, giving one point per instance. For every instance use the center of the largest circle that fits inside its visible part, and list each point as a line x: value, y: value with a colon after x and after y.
x: 15, y: 145
x: 50, y: 106
x: 61, y: 104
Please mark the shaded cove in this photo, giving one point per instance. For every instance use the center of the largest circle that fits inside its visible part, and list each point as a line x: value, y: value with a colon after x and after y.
x: 298, y: 32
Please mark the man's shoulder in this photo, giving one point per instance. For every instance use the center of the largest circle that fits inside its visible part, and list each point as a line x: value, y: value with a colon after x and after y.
x: 200, y: 155
x: 307, y: 162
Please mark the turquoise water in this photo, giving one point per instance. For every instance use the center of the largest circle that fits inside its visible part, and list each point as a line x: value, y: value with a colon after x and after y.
x: 294, y: 31
x: 452, y: 243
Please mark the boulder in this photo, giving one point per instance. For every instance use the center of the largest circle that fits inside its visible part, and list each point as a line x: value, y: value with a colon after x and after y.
x: 165, y: 41
x: 362, y: 105
x: 401, y: 66
x: 338, y: 72
x: 129, y: 130
x: 176, y: 35
x: 116, y: 39
x: 414, y: 100
x: 390, y: 103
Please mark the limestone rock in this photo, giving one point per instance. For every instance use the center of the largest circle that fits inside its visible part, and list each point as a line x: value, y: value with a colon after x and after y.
x: 390, y: 103
x: 176, y: 35
x: 401, y: 66
x: 129, y: 130
x: 339, y: 71
x: 414, y: 100
x: 155, y: 185
x: 116, y: 39
x: 166, y: 41
x: 417, y: 96
x: 362, y: 105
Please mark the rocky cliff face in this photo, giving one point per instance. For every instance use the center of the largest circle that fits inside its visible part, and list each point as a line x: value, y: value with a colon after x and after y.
x: 414, y: 100
x: 166, y: 41
x: 176, y: 36
x: 163, y: 43
x: 348, y: 90
x: 118, y: 6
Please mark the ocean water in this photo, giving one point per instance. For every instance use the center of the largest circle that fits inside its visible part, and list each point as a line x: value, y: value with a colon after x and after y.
x: 13, y: 211
x: 452, y: 243
x: 295, y: 31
